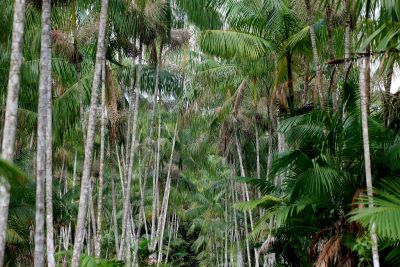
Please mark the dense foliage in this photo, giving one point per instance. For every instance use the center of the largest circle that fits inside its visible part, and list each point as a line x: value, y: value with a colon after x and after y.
x: 220, y: 133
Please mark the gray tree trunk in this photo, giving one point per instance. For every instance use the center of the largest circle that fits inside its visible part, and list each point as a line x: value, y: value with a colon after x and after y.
x: 45, y: 59
x: 164, y: 205
x: 318, y: 72
x: 367, y: 159
x: 114, y: 212
x: 155, y: 96
x: 10, y: 120
x: 49, y: 175
x: 85, y: 183
x: 101, y: 167
x: 128, y: 181
x: 155, y: 204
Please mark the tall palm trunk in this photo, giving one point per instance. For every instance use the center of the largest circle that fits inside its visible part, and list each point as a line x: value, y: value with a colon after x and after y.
x: 335, y: 70
x: 257, y: 153
x: 155, y: 182
x: 92, y: 219
x: 306, y: 79
x: 101, y: 167
x: 78, y: 67
x: 10, y: 120
x: 164, y: 206
x: 290, y: 81
x: 130, y: 112
x: 367, y: 159
x: 350, y: 6
x: 315, y: 55
x: 114, y: 209
x: 128, y: 181
x: 142, y: 215
x: 155, y: 96
x: 45, y: 75
x: 85, y: 183
x: 49, y: 176
x: 156, y: 192
x: 236, y: 228
x: 386, y: 95
x: 246, y: 198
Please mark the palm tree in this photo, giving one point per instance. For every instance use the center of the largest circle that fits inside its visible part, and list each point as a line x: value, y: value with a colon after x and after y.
x: 49, y: 172
x: 315, y: 53
x: 83, y: 199
x: 44, y: 86
x: 10, y: 121
x: 101, y: 167
x: 364, y: 86
x: 164, y: 205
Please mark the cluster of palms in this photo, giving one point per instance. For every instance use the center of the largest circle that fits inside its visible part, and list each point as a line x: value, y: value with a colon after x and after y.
x: 258, y: 141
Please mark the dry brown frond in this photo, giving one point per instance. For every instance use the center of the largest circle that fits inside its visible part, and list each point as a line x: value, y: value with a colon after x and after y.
x: 268, y: 243
x: 329, y: 252
x: 239, y: 97
x: 179, y: 38
x: 88, y: 31
x: 61, y: 46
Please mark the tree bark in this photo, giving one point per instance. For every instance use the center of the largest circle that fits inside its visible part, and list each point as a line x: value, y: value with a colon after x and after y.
x: 367, y: 159
x: 85, y: 183
x: 156, y: 92
x: 306, y: 80
x: 45, y: 59
x: 318, y: 72
x: 101, y: 167
x: 155, y: 210
x: 335, y: 71
x: 49, y: 175
x: 78, y: 68
x: 10, y: 120
x: 386, y: 94
x: 131, y: 158
x: 349, y: 5
x: 290, y: 81
x: 114, y: 214
x: 164, y: 206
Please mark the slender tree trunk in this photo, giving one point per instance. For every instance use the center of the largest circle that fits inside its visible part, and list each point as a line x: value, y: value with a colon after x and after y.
x: 368, y: 79
x: 226, y: 230
x: 141, y: 206
x: 170, y: 233
x: 78, y: 68
x: 257, y: 154
x: 92, y: 218
x: 164, y: 206
x: 306, y: 80
x: 386, y: 95
x: 364, y: 120
x: 156, y: 92
x: 155, y: 205
x: 85, y: 183
x: 271, y: 114
x: 10, y: 120
x: 131, y: 158
x: 101, y: 167
x: 114, y: 215
x: 315, y: 55
x: 130, y: 112
x: 290, y: 81
x: 45, y: 75
x: 335, y: 71
x: 347, y: 28
x: 120, y: 171
x: 237, y: 233
x: 49, y: 175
